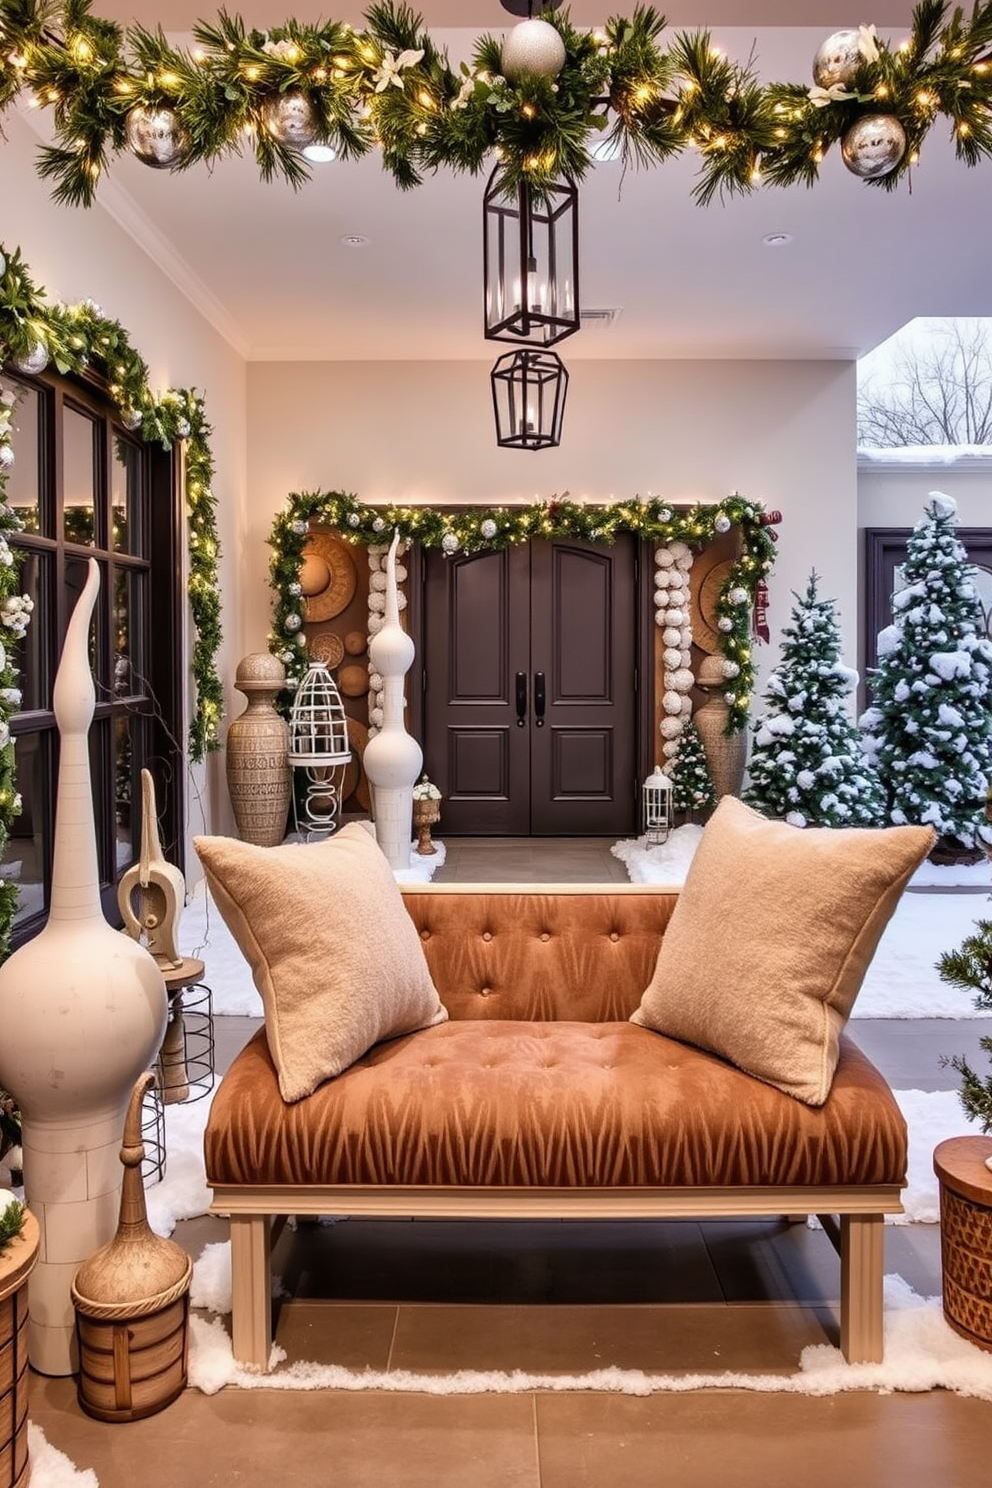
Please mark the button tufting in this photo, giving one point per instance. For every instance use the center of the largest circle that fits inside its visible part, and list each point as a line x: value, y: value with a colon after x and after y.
x: 425, y: 935
x: 545, y: 935
x: 485, y: 991
x: 487, y: 935
x: 614, y: 935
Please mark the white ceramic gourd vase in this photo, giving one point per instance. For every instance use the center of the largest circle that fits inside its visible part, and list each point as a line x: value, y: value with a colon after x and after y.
x: 82, y: 1013
x: 392, y: 760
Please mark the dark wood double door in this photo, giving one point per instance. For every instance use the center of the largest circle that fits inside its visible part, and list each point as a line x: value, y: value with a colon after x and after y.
x: 530, y: 688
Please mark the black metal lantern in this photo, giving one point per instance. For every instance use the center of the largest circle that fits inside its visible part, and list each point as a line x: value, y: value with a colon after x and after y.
x: 531, y: 262
x: 529, y: 387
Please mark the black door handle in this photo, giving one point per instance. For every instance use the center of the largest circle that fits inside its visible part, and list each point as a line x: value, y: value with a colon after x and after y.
x: 521, y: 689
x: 539, y: 699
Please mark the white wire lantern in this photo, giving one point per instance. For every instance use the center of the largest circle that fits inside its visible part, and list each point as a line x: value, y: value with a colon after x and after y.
x: 319, y: 748
x: 656, y: 808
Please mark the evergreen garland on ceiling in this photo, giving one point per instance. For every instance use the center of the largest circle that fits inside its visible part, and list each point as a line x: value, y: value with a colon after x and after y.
x: 472, y: 530
x: 74, y: 338
x: 388, y: 87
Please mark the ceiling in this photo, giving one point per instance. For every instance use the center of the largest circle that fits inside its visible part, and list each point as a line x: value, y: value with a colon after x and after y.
x: 268, y: 266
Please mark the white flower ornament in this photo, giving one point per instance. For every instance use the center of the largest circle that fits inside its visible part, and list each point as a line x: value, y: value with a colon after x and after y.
x: 868, y: 43
x: 391, y: 67
x: 836, y: 93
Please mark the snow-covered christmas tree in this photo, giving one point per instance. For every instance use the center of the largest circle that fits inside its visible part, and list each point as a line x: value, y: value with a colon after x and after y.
x: 929, y: 729
x: 807, y: 764
x: 692, y: 787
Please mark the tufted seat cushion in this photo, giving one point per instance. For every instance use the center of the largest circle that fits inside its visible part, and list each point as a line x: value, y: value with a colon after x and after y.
x: 551, y: 1104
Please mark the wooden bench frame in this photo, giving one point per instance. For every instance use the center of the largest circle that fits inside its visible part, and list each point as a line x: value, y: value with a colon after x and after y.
x: 856, y: 1233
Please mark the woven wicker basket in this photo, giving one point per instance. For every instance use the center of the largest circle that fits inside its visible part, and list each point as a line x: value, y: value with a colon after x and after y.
x: 966, y: 1236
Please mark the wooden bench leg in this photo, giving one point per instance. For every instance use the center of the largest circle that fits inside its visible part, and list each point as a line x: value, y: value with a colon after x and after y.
x: 251, y: 1289
x: 862, y: 1257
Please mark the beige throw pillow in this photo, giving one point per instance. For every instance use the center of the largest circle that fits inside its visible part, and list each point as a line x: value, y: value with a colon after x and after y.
x: 770, y: 940
x: 332, y: 950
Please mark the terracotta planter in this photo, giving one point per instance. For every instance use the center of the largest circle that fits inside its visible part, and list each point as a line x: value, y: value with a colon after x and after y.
x: 966, y: 1236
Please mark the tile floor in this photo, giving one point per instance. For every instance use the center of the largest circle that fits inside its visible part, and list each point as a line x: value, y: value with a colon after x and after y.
x: 564, y: 1298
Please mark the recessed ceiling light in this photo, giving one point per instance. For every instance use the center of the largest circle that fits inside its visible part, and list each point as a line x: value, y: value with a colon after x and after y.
x: 319, y: 154
x: 354, y: 240
x: 777, y: 239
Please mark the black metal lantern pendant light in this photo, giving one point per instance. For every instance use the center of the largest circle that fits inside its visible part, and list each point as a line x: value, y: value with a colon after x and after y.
x: 531, y: 263
x: 529, y: 387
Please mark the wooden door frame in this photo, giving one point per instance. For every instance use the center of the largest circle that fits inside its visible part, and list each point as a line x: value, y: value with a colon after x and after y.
x: 644, y: 669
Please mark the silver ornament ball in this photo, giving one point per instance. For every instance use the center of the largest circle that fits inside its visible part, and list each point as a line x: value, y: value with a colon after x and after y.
x: 6, y: 456
x: 290, y: 119
x: 873, y: 146
x: 532, y: 49
x: 131, y: 418
x: 156, y: 137
x: 450, y: 543
x: 837, y: 60
x: 34, y: 360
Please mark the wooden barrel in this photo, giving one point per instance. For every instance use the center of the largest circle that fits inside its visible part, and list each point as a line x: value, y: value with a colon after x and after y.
x: 16, y: 1263
x: 130, y: 1367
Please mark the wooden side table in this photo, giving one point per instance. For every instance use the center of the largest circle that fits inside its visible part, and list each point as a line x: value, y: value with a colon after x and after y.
x: 16, y: 1265
x: 966, y: 1236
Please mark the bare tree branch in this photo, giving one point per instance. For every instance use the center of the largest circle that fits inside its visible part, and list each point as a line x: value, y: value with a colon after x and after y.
x: 935, y: 392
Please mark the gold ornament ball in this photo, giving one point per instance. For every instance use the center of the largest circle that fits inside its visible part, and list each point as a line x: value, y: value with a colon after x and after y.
x: 290, y: 119
x: 314, y: 575
x: 532, y: 49
x: 837, y: 59
x: 873, y: 146
x: 156, y: 137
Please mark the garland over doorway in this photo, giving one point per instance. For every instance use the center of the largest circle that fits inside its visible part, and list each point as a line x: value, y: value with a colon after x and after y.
x: 473, y: 530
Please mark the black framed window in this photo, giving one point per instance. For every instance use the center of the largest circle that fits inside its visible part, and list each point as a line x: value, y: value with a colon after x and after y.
x: 85, y: 487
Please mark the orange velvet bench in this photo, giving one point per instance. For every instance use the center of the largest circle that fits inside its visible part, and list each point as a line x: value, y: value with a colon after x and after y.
x: 538, y: 1098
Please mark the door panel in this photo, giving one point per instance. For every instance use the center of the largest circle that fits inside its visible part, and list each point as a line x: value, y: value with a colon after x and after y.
x: 529, y: 705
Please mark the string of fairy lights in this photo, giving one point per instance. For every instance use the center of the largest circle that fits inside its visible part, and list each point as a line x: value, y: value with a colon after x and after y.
x: 387, y: 87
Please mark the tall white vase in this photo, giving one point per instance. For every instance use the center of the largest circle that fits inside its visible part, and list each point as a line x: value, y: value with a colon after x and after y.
x: 393, y: 759
x: 82, y: 1013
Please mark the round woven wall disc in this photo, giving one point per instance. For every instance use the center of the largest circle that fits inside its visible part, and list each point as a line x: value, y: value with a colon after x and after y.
x: 705, y: 594
x: 342, y: 575
x: 353, y: 680
x: 326, y: 647
x: 356, y: 643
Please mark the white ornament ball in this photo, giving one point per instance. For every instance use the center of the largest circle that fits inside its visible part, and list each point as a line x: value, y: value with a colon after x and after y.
x: 372, y: 732
x: 378, y: 524
x: 731, y: 669
x: 450, y: 543
x: 739, y: 596
x: 679, y: 549
x: 532, y: 49
x: 670, y: 728
x: 376, y: 622
x: 292, y: 624
x: 487, y: 529
x: 686, y: 706
x: 663, y: 577
x: 685, y: 657
x: 661, y: 599
x: 670, y: 748
x: 671, y: 636
x: 664, y: 558
x: 353, y: 519
x: 873, y: 146
x: 400, y: 574
x: 837, y: 60
x: 375, y: 681
x: 685, y: 638
x: 400, y: 601
x: 725, y: 625
x: 672, y: 657
x: 378, y: 582
x: 683, y: 679
x: 675, y: 617
x: 6, y: 456
x: 730, y: 698
x: 672, y: 702
x: 377, y: 603
x: 376, y: 717
x: 722, y: 523
x: 684, y: 561
x: 376, y: 551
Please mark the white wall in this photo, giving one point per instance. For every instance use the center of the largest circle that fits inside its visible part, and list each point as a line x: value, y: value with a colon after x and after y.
x: 779, y: 432
x: 74, y: 255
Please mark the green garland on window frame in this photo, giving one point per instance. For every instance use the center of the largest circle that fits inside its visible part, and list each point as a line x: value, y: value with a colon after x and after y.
x: 474, y: 530
x: 77, y: 337
x: 388, y: 87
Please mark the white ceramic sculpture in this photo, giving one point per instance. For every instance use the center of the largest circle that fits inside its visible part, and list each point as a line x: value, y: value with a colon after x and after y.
x: 82, y: 1014
x: 393, y: 759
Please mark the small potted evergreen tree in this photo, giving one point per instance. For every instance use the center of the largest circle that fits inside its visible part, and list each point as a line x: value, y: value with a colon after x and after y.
x: 964, y: 1164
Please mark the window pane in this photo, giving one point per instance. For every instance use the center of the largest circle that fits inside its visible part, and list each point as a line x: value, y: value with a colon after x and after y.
x: 124, y: 793
x: 24, y: 476
x: 30, y: 654
x: 23, y: 859
x: 125, y: 497
x: 79, y: 453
